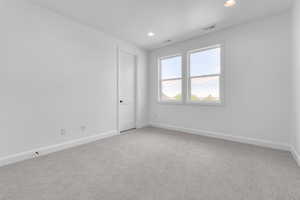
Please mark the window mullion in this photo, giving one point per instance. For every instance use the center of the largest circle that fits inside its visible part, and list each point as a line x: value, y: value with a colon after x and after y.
x: 171, y: 79
x: 186, y: 79
x: 204, y: 76
x: 184, y: 84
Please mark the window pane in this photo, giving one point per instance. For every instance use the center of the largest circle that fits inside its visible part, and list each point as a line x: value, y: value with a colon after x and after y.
x: 205, y: 62
x: 171, y: 67
x: 171, y: 90
x: 205, y: 89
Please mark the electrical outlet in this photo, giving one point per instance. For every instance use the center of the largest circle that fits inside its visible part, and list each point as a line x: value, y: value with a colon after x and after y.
x: 36, y: 154
x: 63, y: 131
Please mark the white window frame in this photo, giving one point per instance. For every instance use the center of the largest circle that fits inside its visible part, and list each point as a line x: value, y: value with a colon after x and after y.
x: 160, y: 80
x: 220, y: 75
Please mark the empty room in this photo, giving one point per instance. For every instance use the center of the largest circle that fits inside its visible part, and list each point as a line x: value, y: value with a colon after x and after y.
x: 150, y: 100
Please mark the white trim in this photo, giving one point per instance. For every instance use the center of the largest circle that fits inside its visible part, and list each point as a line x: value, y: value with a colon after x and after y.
x: 159, y: 95
x: 135, y: 88
x: 186, y: 79
x: 221, y: 76
x: 205, y: 103
x: 205, y: 48
x: 171, y: 102
x: 219, y: 135
x: 77, y: 142
x: 142, y: 125
x: 296, y: 155
x: 54, y: 148
x: 118, y: 90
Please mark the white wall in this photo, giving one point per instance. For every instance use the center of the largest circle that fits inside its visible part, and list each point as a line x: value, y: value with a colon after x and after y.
x: 56, y: 73
x: 257, y: 83
x: 296, y: 76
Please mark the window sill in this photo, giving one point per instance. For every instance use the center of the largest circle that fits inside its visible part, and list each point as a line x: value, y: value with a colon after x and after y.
x: 170, y: 102
x: 195, y: 103
x: 191, y: 103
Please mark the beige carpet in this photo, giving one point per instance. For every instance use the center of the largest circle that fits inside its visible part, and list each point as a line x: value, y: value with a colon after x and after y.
x: 155, y: 164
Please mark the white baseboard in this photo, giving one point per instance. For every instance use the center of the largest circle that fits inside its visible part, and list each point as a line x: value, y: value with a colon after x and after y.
x: 142, y: 126
x: 54, y: 148
x: 73, y: 143
x: 257, y: 142
x: 296, y: 155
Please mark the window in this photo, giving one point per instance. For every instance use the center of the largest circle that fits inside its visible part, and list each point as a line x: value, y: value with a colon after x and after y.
x: 170, y: 79
x: 204, y: 75
x: 197, y: 79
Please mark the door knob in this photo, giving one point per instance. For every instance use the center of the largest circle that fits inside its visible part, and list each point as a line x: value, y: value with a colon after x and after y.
x: 121, y: 101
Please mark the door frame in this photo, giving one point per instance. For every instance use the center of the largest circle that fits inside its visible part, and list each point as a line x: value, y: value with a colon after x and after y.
x: 119, y: 50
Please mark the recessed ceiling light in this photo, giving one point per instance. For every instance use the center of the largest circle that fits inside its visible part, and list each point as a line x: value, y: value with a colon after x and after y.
x: 151, y: 34
x: 229, y: 3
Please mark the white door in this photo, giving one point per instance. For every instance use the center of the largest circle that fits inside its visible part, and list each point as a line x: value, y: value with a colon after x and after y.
x: 126, y: 91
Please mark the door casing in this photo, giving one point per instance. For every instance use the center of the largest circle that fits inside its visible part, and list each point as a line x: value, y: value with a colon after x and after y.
x: 119, y: 50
